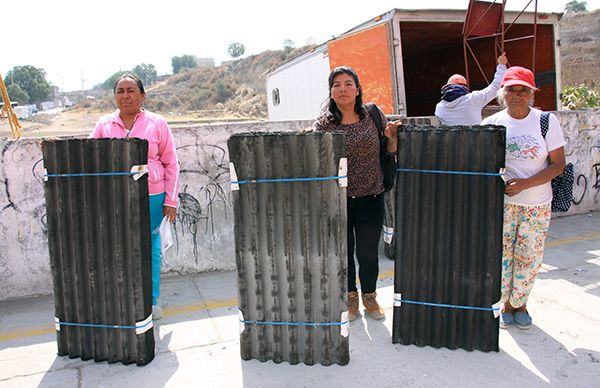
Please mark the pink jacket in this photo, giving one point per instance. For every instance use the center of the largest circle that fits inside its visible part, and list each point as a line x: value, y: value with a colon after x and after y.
x: 163, y: 168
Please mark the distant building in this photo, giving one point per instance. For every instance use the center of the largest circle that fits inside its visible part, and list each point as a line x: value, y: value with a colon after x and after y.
x: 205, y: 62
x: 76, y: 96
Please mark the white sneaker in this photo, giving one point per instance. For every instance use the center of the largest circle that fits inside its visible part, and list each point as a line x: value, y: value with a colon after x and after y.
x: 157, y: 312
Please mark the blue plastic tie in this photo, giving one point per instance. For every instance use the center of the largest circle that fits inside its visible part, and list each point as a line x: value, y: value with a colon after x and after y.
x: 103, y: 326
x: 315, y: 324
x: 90, y: 174
x: 325, y: 178
x: 450, y: 172
x: 453, y: 306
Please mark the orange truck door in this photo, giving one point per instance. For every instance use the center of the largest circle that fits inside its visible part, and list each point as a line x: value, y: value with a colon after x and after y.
x: 369, y: 53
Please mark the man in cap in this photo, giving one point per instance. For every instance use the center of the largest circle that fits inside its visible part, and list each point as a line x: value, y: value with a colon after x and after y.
x: 461, y: 107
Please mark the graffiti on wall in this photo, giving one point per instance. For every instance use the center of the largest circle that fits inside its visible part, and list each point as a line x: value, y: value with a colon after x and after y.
x: 204, y: 176
x: 23, y: 192
x: 581, y: 184
x: 203, y: 230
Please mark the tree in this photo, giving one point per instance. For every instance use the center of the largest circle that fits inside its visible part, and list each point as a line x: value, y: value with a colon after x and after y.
x: 288, y: 45
x: 147, y: 73
x: 183, y: 62
x: 15, y: 93
x: 109, y: 84
x: 236, y: 49
x: 575, y: 6
x: 31, y: 81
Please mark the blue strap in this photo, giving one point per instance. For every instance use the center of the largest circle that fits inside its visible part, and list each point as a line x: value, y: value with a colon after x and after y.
x: 90, y: 174
x: 452, y: 306
x: 325, y: 178
x: 451, y: 172
x: 103, y: 326
x: 315, y: 324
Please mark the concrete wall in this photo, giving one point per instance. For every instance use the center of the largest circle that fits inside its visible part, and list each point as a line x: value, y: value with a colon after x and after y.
x: 203, y: 232
x: 204, y: 229
x: 582, y: 133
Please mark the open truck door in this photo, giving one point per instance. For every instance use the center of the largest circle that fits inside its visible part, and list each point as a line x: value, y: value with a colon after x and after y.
x: 369, y: 52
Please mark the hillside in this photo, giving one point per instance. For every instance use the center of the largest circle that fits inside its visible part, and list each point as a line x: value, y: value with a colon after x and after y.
x: 237, y: 90
x: 234, y: 90
x: 580, y: 48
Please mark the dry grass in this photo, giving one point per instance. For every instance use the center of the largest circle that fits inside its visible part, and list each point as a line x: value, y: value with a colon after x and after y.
x: 82, y: 121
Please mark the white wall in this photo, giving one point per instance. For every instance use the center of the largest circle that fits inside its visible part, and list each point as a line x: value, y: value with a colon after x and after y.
x: 205, y: 223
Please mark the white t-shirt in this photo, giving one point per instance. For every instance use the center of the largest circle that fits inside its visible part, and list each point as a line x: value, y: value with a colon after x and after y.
x: 527, y: 152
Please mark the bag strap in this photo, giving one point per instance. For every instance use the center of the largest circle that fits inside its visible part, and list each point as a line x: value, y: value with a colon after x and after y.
x: 545, y: 123
x: 375, y: 116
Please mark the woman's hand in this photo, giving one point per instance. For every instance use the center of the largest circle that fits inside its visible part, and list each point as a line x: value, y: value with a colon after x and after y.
x: 391, y: 132
x: 307, y: 130
x: 170, y: 212
x: 555, y: 168
x: 502, y: 59
x: 515, y: 186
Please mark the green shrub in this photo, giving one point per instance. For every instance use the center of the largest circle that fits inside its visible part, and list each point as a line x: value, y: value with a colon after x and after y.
x: 222, y: 91
x: 580, y: 97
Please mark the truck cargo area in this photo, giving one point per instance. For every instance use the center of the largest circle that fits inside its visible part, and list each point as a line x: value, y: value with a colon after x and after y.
x: 432, y: 51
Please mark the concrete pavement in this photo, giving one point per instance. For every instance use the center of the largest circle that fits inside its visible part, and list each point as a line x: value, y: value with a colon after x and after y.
x: 197, y: 342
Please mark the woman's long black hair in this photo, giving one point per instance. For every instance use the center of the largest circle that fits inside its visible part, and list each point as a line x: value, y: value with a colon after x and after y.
x: 331, y: 111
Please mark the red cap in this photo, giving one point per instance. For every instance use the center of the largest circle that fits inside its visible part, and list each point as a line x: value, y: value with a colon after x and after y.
x: 457, y: 79
x: 517, y: 75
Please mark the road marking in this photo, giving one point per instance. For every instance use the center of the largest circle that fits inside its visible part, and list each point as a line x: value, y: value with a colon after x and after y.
x: 18, y: 334
x: 167, y: 312
x: 195, y: 307
x: 232, y: 302
x: 572, y: 240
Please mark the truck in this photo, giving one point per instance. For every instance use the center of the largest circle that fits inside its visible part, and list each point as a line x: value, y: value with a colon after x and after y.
x: 404, y: 56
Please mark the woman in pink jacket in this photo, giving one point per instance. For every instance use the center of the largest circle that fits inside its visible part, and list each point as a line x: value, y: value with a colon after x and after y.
x: 131, y: 120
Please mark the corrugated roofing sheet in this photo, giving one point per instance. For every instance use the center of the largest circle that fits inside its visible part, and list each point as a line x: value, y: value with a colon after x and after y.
x: 290, y: 244
x: 448, y: 236
x: 99, y: 242
x: 389, y: 198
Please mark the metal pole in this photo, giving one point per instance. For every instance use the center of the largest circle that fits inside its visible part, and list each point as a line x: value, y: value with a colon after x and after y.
x: 502, y: 25
x: 534, y: 37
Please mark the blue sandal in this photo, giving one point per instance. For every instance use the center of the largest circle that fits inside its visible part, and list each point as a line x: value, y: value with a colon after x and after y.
x: 506, y: 320
x: 523, y: 320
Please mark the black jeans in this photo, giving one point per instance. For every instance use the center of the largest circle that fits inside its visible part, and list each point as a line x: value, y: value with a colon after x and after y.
x: 365, y: 220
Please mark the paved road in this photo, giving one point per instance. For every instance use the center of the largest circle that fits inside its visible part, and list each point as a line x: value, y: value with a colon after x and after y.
x: 197, y: 340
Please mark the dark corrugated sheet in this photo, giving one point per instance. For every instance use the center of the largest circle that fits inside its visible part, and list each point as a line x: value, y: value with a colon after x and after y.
x: 449, y: 236
x: 290, y: 244
x: 99, y: 242
x: 389, y: 198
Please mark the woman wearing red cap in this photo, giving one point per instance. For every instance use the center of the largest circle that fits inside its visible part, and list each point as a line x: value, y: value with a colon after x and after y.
x: 531, y: 163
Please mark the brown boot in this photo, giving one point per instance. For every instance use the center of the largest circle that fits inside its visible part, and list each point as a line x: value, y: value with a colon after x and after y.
x: 372, y: 308
x: 353, y: 312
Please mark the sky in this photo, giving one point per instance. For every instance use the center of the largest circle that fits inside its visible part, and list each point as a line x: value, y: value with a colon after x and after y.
x: 81, y: 43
